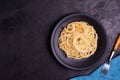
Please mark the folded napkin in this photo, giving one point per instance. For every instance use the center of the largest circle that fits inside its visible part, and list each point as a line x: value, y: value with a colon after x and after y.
x: 113, y: 74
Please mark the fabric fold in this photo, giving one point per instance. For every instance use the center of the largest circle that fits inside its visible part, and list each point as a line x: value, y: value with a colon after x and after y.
x: 113, y: 73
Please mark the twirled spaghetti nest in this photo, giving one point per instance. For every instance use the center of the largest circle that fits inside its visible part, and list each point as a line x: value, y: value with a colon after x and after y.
x: 78, y: 40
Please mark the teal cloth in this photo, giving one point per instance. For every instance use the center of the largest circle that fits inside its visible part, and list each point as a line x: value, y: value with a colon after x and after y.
x: 113, y: 74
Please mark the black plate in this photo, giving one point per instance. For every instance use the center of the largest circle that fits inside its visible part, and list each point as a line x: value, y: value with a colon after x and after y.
x: 81, y: 64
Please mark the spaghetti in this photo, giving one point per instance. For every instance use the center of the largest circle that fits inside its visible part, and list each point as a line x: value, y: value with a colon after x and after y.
x: 78, y: 40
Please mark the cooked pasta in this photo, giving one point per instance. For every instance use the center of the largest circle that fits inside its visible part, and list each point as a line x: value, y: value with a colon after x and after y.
x: 78, y: 40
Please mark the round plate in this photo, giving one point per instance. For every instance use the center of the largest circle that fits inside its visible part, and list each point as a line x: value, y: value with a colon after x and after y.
x: 85, y: 63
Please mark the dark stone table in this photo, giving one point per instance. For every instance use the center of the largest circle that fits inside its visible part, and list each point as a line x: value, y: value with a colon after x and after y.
x: 25, y: 31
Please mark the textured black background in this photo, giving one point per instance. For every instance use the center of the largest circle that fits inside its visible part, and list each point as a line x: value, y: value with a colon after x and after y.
x: 25, y: 31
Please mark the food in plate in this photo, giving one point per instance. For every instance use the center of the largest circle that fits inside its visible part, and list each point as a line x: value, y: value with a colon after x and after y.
x: 78, y: 40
